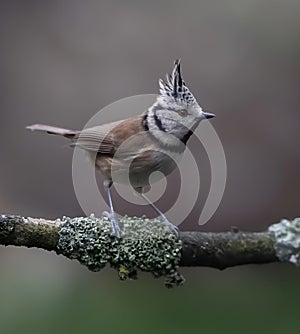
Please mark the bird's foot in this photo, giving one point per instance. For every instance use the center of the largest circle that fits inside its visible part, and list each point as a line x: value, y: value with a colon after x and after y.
x: 173, y: 227
x: 115, y: 228
x: 106, y: 214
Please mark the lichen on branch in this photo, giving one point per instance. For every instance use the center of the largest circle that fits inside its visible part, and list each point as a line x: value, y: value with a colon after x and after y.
x: 287, y: 240
x: 146, y: 245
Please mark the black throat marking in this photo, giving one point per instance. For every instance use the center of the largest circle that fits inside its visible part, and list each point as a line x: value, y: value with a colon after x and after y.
x: 145, y: 122
x: 158, y: 123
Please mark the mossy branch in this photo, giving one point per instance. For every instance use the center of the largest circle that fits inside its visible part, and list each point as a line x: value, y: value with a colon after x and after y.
x: 148, y: 245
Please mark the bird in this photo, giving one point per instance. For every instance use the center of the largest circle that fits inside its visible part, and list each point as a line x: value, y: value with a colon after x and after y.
x: 130, y: 150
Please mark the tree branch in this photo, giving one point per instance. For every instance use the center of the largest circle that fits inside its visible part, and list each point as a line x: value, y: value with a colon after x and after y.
x: 88, y: 240
x: 227, y: 249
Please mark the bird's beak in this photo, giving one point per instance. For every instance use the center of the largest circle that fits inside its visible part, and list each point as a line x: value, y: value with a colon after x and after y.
x: 208, y: 115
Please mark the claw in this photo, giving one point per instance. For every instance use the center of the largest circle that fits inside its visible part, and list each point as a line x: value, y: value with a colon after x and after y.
x: 115, y: 228
x: 173, y: 227
x: 106, y: 214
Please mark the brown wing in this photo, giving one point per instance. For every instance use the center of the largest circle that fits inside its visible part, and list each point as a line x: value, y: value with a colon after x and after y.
x: 105, y: 139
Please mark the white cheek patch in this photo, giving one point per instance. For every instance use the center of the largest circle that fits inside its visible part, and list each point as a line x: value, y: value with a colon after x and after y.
x: 169, y: 119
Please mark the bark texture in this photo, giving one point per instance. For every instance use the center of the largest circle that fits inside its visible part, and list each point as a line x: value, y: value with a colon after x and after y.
x: 217, y: 250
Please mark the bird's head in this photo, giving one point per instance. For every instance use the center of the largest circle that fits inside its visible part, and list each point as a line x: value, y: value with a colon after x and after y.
x: 177, y: 102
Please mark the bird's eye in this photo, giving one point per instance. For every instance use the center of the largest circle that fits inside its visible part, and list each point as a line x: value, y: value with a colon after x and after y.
x: 182, y: 113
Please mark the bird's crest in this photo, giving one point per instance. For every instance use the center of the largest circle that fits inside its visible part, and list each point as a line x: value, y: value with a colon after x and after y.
x: 174, y: 88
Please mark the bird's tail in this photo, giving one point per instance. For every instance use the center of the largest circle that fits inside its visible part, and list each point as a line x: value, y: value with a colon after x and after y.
x: 52, y: 130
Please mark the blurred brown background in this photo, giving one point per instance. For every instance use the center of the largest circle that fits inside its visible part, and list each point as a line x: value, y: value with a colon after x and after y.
x: 62, y: 61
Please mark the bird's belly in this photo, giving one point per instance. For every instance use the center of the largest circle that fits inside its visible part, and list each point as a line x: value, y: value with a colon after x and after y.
x: 141, y: 169
x: 137, y: 169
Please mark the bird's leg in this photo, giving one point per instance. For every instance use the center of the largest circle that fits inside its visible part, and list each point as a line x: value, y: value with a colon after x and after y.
x: 173, y: 227
x: 113, y: 220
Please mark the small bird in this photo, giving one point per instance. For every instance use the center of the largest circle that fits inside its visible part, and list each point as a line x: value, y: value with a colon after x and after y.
x: 130, y: 150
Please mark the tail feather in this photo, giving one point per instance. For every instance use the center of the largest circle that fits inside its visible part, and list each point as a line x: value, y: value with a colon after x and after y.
x: 52, y: 130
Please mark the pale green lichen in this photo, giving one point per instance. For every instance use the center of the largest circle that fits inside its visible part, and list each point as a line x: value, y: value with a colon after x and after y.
x: 287, y: 240
x: 146, y: 245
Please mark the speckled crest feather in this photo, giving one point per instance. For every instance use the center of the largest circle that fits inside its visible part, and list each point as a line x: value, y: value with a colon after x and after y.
x: 174, y: 88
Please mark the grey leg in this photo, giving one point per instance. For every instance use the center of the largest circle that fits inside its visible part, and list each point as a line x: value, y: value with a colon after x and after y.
x: 174, y: 228
x: 115, y: 228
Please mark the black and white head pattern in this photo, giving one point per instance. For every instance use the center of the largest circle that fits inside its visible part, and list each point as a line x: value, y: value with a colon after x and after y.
x: 175, y: 114
x: 174, y: 89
